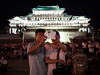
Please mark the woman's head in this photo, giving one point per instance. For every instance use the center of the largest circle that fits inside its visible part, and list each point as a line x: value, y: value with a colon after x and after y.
x: 68, y: 60
x: 57, y: 33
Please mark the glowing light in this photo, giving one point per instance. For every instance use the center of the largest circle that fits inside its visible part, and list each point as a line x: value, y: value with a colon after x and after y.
x: 82, y: 18
x: 48, y: 40
x: 10, y: 30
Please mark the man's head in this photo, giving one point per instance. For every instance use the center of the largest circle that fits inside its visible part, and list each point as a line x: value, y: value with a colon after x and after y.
x: 39, y: 33
x: 39, y: 30
x: 68, y: 60
x: 2, y: 58
x: 91, y: 42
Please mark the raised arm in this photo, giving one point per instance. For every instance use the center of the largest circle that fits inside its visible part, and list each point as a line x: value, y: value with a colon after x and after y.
x: 34, y: 48
x: 62, y: 46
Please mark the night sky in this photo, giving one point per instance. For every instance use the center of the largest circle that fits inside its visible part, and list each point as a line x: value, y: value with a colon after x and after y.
x: 88, y: 8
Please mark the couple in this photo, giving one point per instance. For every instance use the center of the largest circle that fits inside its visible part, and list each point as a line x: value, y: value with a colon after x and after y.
x: 38, y: 55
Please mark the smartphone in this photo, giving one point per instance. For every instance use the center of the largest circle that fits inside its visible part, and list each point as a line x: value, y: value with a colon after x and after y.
x: 50, y: 34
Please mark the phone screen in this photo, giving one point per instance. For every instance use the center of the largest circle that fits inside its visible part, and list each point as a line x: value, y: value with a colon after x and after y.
x: 53, y: 33
x: 50, y: 34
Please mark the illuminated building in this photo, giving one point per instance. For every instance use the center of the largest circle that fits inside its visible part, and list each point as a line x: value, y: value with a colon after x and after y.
x: 51, y: 18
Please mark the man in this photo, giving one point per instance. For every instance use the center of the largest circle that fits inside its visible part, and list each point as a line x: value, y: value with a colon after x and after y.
x: 3, y: 64
x: 85, y: 49
x: 36, y: 54
x: 91, y: 47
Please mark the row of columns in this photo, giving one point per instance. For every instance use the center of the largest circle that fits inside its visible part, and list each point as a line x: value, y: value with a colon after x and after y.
x: 37, y: 23
x: 11, y: 30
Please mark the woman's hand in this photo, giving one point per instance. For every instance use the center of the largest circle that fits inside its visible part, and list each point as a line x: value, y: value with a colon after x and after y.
x: 61, y: 61
x: 60, y: 44
x: 57, y: 38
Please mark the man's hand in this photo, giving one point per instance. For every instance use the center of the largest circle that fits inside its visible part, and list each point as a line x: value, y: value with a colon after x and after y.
x: 43, y: 39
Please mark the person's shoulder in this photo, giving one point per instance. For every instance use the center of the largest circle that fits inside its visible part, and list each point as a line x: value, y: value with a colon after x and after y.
x: 32, y: 43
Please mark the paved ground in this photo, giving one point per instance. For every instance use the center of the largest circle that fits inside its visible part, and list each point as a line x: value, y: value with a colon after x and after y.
x: 17, y: 67
x: 21, y: 67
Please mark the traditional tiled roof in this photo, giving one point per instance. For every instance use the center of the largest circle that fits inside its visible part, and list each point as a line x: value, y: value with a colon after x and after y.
x: 16, y: 18
x: 66, y: 15
x: 30, y: 15
x: 22, y: 17
x: 56, y: 7
x: 79, y: 18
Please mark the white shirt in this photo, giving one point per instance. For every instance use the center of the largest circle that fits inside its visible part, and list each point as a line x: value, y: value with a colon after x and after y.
x: 47, y: 46
x: 13, y: 46
x: 36, y: 60
x: 52, y: 53
x: 3, y: 62
x: 97, y: 45
x: 76, y: 45
x: 84, y: 45
x: 91, y: 49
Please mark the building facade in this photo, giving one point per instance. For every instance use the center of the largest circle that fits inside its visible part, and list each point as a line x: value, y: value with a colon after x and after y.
x: 51, y: 18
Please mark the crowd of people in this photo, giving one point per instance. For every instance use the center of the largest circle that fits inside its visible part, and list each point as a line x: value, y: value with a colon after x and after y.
x: 35, y: 53
x: 13, y: 50
x: 19, y: 50
x: 90, y: 48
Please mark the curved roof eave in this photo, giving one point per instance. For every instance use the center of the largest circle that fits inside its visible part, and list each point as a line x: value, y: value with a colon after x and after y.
x: 56, y: 7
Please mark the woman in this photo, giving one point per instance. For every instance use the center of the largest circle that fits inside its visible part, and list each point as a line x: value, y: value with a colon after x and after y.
x: 69, y: 66
x: 51, y: 54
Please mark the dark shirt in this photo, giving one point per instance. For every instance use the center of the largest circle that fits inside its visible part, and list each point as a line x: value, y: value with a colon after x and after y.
x: 69, y: 69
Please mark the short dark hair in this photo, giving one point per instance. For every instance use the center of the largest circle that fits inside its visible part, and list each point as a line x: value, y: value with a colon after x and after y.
x: 39, y: 30
x: 57, y: 32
